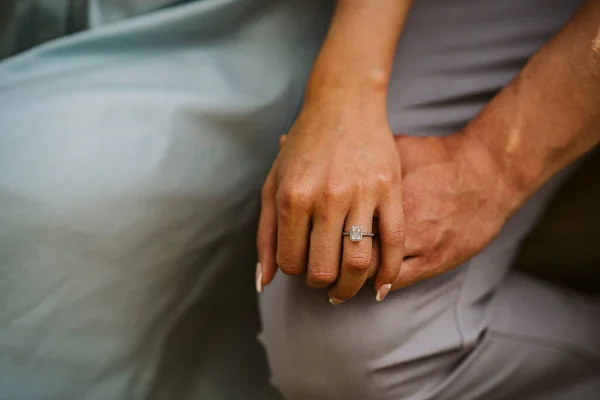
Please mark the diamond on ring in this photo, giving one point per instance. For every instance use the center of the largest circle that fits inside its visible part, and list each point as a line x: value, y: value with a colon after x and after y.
x: 356, y: 233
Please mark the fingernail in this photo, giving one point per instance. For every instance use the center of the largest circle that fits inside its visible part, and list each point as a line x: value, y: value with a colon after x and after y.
x: 259, y: 286
x: 334, y: 302
x: 383, y: 291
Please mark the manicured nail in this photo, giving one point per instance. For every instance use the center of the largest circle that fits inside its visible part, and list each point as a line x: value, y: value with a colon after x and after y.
x: 259, y: 285
x: 383, y: 291
x: 334, y: 302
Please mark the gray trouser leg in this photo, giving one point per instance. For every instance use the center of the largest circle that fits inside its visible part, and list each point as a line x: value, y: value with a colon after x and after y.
x: 478, y: 332
x: 542, y: 343
x: 525, y: 340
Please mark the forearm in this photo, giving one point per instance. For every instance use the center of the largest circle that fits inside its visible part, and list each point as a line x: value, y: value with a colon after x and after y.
x: 355, y: 61
x: 550, y: 114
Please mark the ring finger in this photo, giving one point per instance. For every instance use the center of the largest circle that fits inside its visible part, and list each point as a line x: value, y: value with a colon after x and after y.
x: 356, y: 254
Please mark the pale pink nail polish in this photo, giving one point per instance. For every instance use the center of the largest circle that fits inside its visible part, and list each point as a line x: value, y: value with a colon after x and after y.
x: 383, y: 291
x: 259, y: 275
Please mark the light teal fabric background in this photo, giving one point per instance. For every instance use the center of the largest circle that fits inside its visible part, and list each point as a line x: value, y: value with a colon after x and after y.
x: 131, y: 159
x: 27, y: 23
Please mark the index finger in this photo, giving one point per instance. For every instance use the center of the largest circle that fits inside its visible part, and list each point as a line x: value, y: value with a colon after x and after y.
x: 266, y: 240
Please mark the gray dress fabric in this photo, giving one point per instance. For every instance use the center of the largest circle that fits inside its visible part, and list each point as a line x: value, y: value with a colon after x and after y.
x: 131, y: 159
x: 480, y: 331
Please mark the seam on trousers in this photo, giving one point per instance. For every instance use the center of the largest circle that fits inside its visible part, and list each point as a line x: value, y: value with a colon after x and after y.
x: 472, y: 363
x: 566, y: 347
x: 458, y: 300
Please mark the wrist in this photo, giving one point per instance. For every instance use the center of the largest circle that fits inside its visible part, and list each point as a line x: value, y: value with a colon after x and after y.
x: 347, y: 97
x: 506, y: 186
x: 502, y: 128
x: 368, y: 80
x: 365, y: 91
x: 511, y: 187
x: 346, y: 77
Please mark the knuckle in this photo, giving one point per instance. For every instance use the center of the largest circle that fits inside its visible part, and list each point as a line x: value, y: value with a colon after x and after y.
x: 289, y: 268
x: 358, y: 263
x: 322, y: 278
x: 288, y: 264
x: 430, y: 241
x: 294, y: 196
x: 437, y: 260
x: 387, y: 178
x: 334, y: 194
x: 362, y: 187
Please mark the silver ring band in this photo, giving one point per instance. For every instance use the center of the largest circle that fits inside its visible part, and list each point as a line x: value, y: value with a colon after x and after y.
x: 371, y: 234
x: 356, y: 233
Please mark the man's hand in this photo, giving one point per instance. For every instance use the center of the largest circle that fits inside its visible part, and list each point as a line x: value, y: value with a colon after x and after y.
x: 455, y: 203
x: 459, y: 190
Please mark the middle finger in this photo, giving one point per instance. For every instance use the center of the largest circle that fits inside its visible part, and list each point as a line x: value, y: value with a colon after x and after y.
x: 325, y: 246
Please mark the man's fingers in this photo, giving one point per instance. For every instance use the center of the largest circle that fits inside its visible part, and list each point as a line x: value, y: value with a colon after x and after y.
x: 391, y: 236
x: 356, y: 257
x: 266, y: 238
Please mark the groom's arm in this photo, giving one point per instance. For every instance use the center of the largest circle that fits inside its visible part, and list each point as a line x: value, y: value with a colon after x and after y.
x: 550, y: 114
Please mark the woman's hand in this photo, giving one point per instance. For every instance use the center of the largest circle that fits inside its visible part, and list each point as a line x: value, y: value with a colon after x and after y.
x: 338, y: 168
